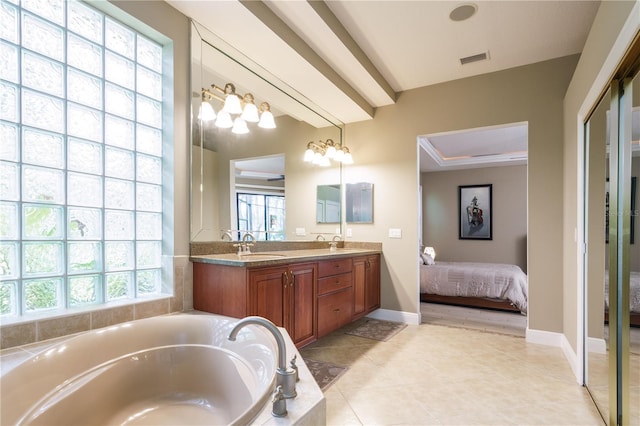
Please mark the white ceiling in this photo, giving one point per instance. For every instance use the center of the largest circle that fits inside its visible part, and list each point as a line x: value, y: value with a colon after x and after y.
x: 350, y: 57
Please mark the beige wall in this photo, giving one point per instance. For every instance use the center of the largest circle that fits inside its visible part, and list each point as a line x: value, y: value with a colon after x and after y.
x: 440, y: 220
x: 386, y: 154
x: 605, y: 47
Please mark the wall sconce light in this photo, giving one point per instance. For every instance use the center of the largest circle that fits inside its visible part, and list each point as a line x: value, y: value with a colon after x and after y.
x: 320, y: 153
x: 236, y: 111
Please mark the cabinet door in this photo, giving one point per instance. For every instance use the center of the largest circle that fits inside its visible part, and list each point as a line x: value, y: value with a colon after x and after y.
x: 301, y: 304
x: 372, y: 290
x: 267, y: 290
x: 359, y: 272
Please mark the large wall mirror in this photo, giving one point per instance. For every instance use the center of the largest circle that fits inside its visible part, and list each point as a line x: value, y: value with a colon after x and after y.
x: 265, y: 162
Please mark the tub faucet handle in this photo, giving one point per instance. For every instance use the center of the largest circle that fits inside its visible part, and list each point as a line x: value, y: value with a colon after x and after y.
x: 294, y: 367
x: 279, y: 403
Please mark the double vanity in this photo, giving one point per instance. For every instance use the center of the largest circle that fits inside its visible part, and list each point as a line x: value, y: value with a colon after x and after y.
x: 309, y: 292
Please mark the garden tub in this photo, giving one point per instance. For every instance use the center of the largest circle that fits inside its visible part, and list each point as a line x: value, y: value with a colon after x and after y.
x: 177, y: 369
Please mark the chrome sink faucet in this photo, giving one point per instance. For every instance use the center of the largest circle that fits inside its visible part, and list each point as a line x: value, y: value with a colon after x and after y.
x: 248, y: 240
x: 285, y: 377
x: 334, y: 242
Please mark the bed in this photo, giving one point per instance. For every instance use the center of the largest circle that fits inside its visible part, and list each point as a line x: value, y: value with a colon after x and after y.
x: 634, y: 298
x: 486, y: 285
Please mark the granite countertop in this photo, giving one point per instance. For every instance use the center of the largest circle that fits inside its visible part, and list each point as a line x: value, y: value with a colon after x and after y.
x: 279, y: 257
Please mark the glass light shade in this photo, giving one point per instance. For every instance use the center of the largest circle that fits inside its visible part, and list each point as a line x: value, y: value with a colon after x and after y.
x: 331, y: 151
x: 224, y: 120
x: 317, y: 158
x: 267, y: 121
x: 240, y: 126
x: 324, y: 162
x: 347, y: 159
x: 339, y: 156
x: 250, y: 113
x: 206, y: 112
x: 308, y: 155
x: 232, y: 104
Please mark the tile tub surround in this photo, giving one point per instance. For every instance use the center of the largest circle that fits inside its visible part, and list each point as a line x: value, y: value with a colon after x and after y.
x: 23, y: 331
x: 309, y: 407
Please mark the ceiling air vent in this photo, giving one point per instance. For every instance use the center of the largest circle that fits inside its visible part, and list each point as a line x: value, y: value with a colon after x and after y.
x: 474, y: 58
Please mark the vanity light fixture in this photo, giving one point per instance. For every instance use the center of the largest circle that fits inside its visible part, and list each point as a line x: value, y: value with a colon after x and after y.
x: 236, y: 111
x: 320, y: 153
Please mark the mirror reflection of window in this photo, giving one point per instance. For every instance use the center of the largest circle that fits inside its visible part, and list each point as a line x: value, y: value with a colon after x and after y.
x: 262, y: 215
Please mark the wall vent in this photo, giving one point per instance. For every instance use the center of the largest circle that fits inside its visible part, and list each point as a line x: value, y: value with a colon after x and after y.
x: 474, y: 58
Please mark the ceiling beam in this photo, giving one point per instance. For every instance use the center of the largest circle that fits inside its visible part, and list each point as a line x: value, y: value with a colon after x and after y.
x: 275, y: 24
x: 323, y: 11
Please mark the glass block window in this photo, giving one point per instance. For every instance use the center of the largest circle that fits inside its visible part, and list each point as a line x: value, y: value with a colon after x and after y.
x: 81, y: 162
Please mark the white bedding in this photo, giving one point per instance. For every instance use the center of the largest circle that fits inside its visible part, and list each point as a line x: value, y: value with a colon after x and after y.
x: 634, y: 292
x: 483, y: 280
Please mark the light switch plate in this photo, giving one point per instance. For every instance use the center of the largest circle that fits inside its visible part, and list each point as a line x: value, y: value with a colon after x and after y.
x: 349, y: 232
x: 301, y: 232
x: 395, y: 233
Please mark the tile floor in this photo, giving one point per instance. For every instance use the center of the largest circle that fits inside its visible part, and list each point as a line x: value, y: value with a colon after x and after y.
x: 437, y: 374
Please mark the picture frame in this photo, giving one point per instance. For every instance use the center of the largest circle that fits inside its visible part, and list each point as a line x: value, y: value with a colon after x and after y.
x: 475, y: 211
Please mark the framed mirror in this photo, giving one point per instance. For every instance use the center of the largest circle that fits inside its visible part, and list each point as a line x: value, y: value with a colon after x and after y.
x: 216, y: 151
x: 328, y: 204
x: 359, y: 202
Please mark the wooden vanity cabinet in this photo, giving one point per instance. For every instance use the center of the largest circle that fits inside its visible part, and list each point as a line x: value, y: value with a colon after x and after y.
x: 286, y: 296
x: 366, y: 284
x: 309, y: 299
x: 335, y: 294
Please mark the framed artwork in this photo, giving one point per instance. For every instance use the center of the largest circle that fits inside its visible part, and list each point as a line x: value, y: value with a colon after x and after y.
x: 475, y: 212
x: 634, y: 212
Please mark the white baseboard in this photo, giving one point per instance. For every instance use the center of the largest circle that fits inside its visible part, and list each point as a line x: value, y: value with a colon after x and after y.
x: 542, y: 337
x: 395, y: 316
x: 550, y: 338
x: 597, y: 345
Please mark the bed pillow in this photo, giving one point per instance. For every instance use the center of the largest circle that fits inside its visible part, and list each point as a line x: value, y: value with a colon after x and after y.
x: 427, y: 259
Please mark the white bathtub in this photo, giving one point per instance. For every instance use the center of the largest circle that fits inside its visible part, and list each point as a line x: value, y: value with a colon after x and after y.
x: 177, y: 369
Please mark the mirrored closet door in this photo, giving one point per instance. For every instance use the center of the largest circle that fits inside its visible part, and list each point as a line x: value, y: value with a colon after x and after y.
x: 612, y: 258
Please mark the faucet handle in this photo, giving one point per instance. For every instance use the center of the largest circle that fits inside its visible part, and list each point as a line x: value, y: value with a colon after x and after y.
x: 294, y: 367
x: 279, y: 402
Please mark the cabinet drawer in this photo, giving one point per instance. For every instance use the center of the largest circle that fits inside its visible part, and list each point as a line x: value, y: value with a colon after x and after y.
x: 334, y: 283
x: 334, y: 310
x: 334, y: 267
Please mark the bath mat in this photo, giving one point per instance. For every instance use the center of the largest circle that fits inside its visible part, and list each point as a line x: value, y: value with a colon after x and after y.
x: 377, y: 329
x: 325, y: 373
